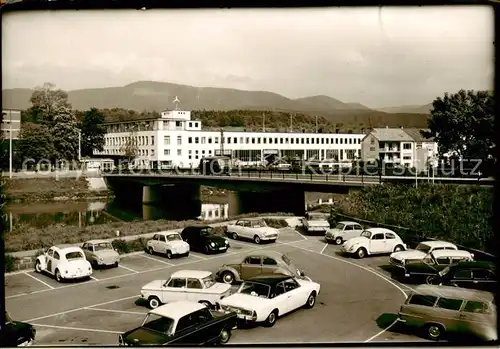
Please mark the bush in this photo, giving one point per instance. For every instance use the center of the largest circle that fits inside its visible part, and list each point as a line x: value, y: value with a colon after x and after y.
x: 276, y: 223
x: 456, y: 213
x: 10, y: 263
x: 124, y: 246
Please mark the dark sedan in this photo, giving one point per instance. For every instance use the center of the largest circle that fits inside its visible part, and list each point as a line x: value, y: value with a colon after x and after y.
x: 477, y: 275
x: 203, y: 239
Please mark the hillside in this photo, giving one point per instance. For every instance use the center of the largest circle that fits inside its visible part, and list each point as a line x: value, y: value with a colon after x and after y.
x: 414, y: 109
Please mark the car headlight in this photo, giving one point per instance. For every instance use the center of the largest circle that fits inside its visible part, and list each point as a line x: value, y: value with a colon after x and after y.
x: 212, y: 244
x: 100, y: 259
x: 227, y: 242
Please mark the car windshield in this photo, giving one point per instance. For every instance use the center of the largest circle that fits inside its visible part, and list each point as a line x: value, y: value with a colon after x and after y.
x: 173, y: 237
x: 255, y: 289
x: 286, y: 260
x: 339, y: 226
x: 158, y: 323
x: 316, y: 217
x: 74, y: 255
x: 423, y: 247
x: 103, y: 246
x: 366, y: 234
x: 206, y: 231
x: 208, y: 281
x: 259, y: 224
x: 444, y: 271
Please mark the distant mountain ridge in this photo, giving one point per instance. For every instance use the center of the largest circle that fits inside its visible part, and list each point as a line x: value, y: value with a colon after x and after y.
x: 158, y: 96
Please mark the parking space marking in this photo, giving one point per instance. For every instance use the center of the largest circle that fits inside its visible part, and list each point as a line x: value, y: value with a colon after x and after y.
x: 130, y: 269
x: 37, y: 279
x: 242, y: 243
x: 81, y: 308
x: 195, y: 255
x: 156, y: 260
x: 116, y: 311
x: 76, y: 328
x: 381, y: 332
x: 93, y: 278
x: 324, y: 248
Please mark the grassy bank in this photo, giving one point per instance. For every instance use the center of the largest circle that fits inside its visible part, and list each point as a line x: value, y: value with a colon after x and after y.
x: 24, y: 238
x: 43, y: 189
x: 456, y: 213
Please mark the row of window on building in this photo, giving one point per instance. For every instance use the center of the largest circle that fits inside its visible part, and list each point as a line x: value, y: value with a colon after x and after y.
x: 137, y: 140
x: 270, y: 140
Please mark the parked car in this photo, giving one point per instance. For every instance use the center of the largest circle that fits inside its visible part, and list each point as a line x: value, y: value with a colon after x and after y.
x: 374, y: 241
x: 478, y: 275
x: 168, y: 243
x: 420, y: 252
x: 443, y: 309
x: 202, y: 238
x: 181, y: 323
x: 16, y: 333
x: 432, y: 263
x: 262, y: 299
x: 100, y: 253
x: 193, y: 285
x: 260, y: 262
x: 64, y: 262
x: 254, y: 229
x: 343, y: 231
x: 316, y: 222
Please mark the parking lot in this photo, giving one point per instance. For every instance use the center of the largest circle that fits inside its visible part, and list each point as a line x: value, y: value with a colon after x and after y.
x: 358, y: 302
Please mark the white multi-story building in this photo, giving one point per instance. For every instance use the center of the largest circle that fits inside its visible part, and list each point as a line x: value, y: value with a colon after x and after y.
x: 175, y: 139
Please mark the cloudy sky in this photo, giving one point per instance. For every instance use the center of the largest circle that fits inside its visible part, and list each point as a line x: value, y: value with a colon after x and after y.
x: 378, y: 57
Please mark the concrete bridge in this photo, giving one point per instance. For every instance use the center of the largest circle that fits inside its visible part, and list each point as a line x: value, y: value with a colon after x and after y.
x: 256, y: 191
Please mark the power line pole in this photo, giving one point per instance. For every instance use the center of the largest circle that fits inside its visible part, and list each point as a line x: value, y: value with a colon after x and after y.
x: 291, y: 122
x: 10, y: 144
x: 316, y: 124
x: 263, y: 122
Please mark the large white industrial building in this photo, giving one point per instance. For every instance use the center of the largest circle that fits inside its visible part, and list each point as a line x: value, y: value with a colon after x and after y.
x: 175, y: 139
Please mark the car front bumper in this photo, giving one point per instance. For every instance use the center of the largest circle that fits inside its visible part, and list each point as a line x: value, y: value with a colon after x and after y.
x: 218, y: 248
x: 269, y: 237
x: 26, y: 343
x: 317, y: 228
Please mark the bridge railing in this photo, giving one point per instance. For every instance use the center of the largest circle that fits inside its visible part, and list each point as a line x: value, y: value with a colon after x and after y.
x: 412, y: 237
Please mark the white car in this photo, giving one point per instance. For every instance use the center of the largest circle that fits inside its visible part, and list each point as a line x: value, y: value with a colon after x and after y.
x: 64, y: 262
x: 254, y: 229
x: 374, y: 241
x: 168, y: 243
x: 316, y: 222
x: 189, y: 285
x: 263, y: 298
x: 100, y: 253
x: 343, y: 231
x: 422, y: 250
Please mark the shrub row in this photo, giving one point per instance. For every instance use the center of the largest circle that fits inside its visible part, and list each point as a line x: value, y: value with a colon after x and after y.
x: 456, y: 213
x: 23, y: 238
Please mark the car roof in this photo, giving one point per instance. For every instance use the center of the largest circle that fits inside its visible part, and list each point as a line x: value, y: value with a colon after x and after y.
x: 196, y: 274
x: 453, y: 292
x: 270, y: 279
x: 196, y: 227
x: 348, y: 222
x: 96, y: 241
x: 474, y: 264
x: 251, y: 219
x: 380, y: 230
x: 176, y: 310
x: 271, y: 254
x: 66, y: 248
x: 434, y: 243
x: 450, y: 253
x: 169, y: 232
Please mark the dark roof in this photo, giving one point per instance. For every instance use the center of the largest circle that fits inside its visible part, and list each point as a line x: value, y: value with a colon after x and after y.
x: 416, y: 134
x: 270, y: 279
x: 197, y: 227
x: 475, y: 264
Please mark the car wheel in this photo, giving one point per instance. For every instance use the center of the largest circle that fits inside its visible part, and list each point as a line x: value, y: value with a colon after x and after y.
x: 150, y: 250
x: 38, y: 267
x: 361, y: 253
x: 311, y: 300
x: 234, y: 236
x: 227, y: 277
x: 154, y: 302
x: 224, y: 336
x: 58, y: 276
x: 115, y: 265
x: 93, y: 264
x: 206, y: 250
x: 169, y: 254
x: 434, y: 331
x: 256, y: 239
x: 271, y: 319
x: 398, y: 248
x: 338, y: 241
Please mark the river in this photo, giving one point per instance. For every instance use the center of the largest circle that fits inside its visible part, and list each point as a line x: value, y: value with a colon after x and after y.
x: 44, y: 214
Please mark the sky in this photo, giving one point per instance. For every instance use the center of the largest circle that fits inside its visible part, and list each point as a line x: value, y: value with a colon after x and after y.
x: 375, y: 56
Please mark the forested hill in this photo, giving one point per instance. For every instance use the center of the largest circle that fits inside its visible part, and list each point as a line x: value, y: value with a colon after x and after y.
x: 280, y: 120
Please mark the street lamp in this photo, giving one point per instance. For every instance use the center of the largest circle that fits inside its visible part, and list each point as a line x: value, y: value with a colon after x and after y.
x: 79, y: 144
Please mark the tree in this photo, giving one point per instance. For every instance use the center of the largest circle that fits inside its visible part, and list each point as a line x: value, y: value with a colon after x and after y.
x: 91, y: 126
x: 36, y: 143
x: 47, y: 103
x: 65, y: 136
x: 130, y: 148
x: 463, y: 123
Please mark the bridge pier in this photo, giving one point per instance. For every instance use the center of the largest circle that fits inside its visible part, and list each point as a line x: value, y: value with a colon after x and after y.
x: 150, y: 194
